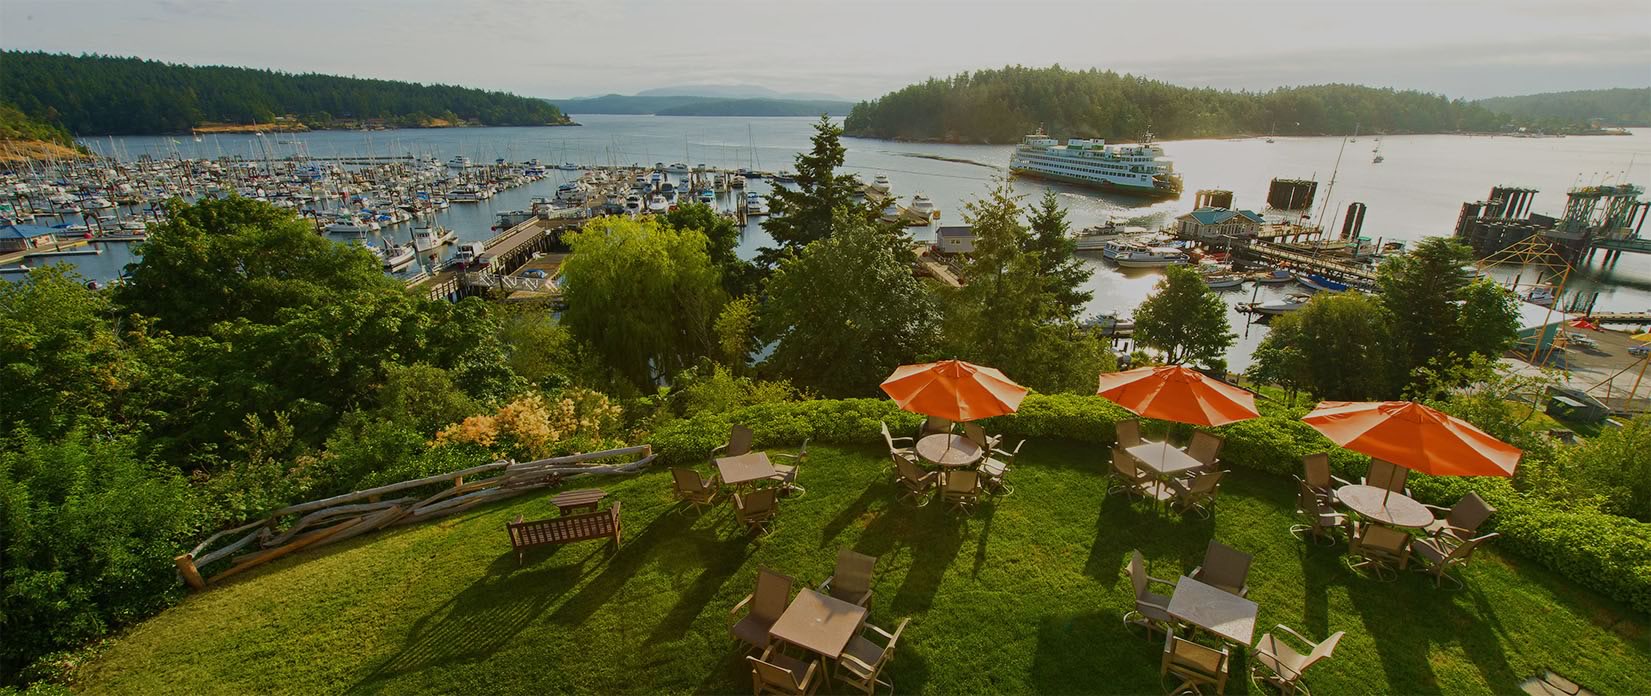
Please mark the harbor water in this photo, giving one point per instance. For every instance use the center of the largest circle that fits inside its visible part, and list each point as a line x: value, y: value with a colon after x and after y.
x: 1416, y: 192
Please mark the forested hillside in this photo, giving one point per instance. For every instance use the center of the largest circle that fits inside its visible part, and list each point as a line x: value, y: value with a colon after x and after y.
x: 98, y: 95
x: 1617, y: 107
x: 999, y: 106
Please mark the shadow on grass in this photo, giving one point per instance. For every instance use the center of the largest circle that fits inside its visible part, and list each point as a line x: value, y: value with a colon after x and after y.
x: 1070, y: 656
x: 931, y: 534
x: 482, y: 618
x: 1127, y: 524
x: 716, y: 559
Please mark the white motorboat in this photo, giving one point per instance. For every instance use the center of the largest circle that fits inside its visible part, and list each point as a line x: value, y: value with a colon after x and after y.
x: 1223, y: 281
x: 432, y: 238
x: 922, y: 207
x: 658, y: 204
x: 1284, y: 306
x: 351, y: 224
x: 1540, y: 295
x: 633, y: 203
x: 399, y: 257
x: 891, y: 211
x: 755, y: 205
x: 880, y: 184
x: 1151, y: 257
x: 459, y: 162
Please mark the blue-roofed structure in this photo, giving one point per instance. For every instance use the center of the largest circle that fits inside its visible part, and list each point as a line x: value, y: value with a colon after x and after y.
x: 1214, y: 223
x: 23, y: 237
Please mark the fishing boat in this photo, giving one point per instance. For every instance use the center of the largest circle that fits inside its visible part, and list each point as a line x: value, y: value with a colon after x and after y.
x: 1133, y: 168
x: 432, y: 238
x: 398, y: 257
x: 1151, y: 257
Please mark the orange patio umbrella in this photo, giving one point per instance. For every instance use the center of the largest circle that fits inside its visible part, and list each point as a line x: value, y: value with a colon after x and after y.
x: 1415, y: 437
x: 1176, y: 393
x: 1584, y: 323
x: 954, y: 390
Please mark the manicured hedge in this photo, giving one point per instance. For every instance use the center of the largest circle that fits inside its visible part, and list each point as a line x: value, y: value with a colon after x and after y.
x: 1607, y: 553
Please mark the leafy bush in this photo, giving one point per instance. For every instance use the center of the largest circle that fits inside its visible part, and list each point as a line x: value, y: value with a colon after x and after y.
x: 89, y: 532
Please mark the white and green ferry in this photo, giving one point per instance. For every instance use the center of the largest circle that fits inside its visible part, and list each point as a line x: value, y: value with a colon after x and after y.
x: 1138, y: 168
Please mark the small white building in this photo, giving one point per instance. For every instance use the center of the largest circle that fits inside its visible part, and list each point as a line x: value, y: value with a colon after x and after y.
x: 954, y: 239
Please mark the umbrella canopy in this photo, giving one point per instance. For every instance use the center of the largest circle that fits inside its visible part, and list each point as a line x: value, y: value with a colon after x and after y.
x: 954, y: 390
x: 1641, y: 337
x: 1584, y: 323
x: 1415, y: 437
x: 1179, y: 394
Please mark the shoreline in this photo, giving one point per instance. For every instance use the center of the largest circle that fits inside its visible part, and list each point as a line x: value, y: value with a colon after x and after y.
x: 241, y: 129
x: 1243, y: 136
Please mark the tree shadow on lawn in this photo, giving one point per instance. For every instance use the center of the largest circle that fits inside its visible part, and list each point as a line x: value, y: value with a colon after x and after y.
x: 482, y: 618
x: 1407, y: 617
x: 1128, y: 524
x: 932, y: 534
x: 716, y: 558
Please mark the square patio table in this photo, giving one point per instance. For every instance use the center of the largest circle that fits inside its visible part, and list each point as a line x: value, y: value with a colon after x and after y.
x: 1213, y: 609
x: 819, y: 623
x: 1161, y: 459
x: 745, y: 468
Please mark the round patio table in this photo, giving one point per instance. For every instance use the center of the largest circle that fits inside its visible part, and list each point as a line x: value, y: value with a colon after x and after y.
x: 1377, y: 503
x: 948, y: 450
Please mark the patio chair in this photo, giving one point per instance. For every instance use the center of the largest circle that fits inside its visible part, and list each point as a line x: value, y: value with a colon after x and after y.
x: 1196, y: 665
x: 757, y: 509
x: 1462, y: 521
x: 1316, y: 470
x: 739, y: 442
x: 892, y: 442
x: 767, y: 603
x: 1380, y: 548
x: 1440, y: 554
x: 977, y: 435
x: 1205, y: 447
x: 915, y: 483
x: 851, y: 582
x: 1384, y: 474
x: 1278, y: 663
x: 690, y: 487
x: 786, y: 474
x: 1321, y: 518
x: 1129, y: 433
x: 863, y: 659
x: 934, y: 425
x: 996, y: 468
x: 1151, y: 609
x: 1198, y: 493
x: 1224, y: 567
x: 778, y: 673
x: 961, y: 490
x: 1126, y: 473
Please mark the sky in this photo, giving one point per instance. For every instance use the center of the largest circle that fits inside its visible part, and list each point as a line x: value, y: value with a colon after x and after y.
x: 859, y: 49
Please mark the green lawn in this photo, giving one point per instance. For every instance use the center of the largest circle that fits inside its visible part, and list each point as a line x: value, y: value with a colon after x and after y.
x: 1025, y: 596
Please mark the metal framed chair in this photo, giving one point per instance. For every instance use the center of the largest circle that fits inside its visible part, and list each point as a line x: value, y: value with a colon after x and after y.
x: 1225, y: 568
x: 977, y: 435
x: 1129, y: 433
x: 758, y: 509
x: 778, y: 673
x: 1206, y: 447
x: 994, y: 470
x: 915, y: 483
x: 1198, y: 493
x: 1439, y: 555
x: 688, y: 486
x: 1322, y: 520
x: 1384, y: 474
x: 786, y: 474
x: 1194, y: 664
x: 767, y: 602
x: 1316, y: 472
x: 1280, y: 664
x: 1382, y: 549
x: 893, y: 442
x: 1151, y: 609
x: 739, y: 442
x: 851, y: 582
x: 934, y: 425
x: 961, y: 490
x: 1462, y: 520
x: 1126, y: 473
x: 863, y: 660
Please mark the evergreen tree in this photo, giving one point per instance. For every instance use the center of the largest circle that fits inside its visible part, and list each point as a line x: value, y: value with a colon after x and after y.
x: 1057, y: 255
x: 805, y: 214
x: 1441, y: 315
x: 1185, y: 319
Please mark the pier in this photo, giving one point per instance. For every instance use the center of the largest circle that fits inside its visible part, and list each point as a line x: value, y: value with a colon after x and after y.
x: 1325, y: 265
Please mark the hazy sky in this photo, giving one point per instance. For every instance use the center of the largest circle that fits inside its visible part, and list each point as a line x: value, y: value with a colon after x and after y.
x: 862, y: 48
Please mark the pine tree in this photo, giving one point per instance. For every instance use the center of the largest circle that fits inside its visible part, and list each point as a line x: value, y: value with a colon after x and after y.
x: 803, y: 215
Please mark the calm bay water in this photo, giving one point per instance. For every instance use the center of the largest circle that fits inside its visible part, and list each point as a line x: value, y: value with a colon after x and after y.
x: 1417, y: 192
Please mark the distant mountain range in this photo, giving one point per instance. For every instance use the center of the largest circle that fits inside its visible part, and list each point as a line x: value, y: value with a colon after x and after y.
x: 737, y: 92
x: 649, y: 102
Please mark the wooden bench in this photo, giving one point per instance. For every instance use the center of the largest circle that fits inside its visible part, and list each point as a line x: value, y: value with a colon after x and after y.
x: 564, y: 530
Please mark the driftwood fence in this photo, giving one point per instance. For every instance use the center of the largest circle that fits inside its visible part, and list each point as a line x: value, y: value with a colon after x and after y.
x: 340, y: 517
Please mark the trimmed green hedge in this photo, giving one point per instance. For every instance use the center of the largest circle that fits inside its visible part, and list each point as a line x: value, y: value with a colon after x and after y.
x: 1607, y: 553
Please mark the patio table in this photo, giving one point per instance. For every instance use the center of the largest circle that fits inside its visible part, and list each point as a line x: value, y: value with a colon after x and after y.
x: 579, y: 499
x: 1213, y: 609
x: 1161, y: 459
x: 745, y: 468
x: 819, y: 623
x: 949, y: 450
x: 1379, y: 504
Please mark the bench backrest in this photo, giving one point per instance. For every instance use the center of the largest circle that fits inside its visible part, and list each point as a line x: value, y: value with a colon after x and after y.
x: 557, y: 530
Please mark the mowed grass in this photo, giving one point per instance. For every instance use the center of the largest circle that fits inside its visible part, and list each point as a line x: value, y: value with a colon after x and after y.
x: 1025, y: 596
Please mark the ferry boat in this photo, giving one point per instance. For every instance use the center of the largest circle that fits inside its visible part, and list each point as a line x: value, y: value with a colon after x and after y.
x: 1136, y: 168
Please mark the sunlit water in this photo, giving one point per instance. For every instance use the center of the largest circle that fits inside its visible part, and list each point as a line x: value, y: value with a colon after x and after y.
x: 1416, y: 192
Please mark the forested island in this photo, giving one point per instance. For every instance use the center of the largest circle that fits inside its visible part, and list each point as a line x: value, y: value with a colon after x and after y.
x: 106, y: 95
x: 1000, y: 106
x: 22, y: 137
x: 1622, y: 106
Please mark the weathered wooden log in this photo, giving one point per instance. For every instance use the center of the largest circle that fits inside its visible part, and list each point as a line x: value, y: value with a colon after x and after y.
x: 387, y: 488
x: 316, y: 518
x: 191, y: 576
x: 377, y: 520
x: 256, y: 559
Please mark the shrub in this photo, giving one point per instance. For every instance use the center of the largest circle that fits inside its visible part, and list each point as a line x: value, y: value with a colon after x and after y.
x: 89, y: 532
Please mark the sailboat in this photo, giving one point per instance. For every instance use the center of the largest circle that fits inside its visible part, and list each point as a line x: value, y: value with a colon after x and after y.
x: 1378, y: 150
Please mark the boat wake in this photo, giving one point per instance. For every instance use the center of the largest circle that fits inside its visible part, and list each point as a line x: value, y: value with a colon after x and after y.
x: 943, y: 158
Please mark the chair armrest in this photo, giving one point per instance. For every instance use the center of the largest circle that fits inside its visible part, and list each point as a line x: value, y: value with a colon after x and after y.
x: 897, y: 439
x: 850, y: 658
x: 1160, y: 580
x: 1435, y: 508
x: 880, y: 631
x: 1154, y: 605
x: 733, y: 613
x: 718, y: 448
x: 788, y: 456
x: 1340, y: 480
x: 824, y: 586
x: 808, y: 675
x: 1298, y: 636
